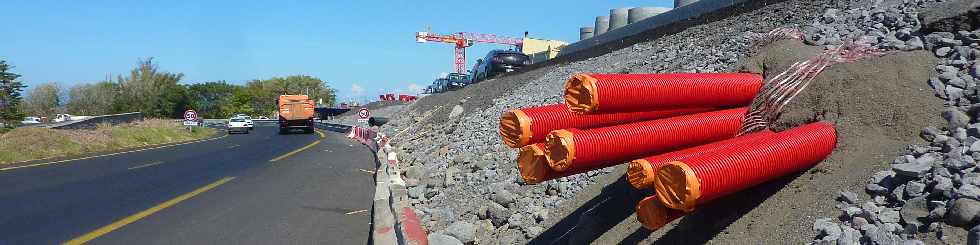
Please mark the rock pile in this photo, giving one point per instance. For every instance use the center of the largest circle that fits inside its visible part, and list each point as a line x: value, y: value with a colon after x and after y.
x: 930, y: 187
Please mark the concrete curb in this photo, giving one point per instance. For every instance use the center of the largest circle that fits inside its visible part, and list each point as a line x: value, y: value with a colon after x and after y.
x: 393, y: 219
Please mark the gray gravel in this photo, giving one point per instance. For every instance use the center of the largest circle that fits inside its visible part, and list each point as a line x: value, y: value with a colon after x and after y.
x: 933, y: 185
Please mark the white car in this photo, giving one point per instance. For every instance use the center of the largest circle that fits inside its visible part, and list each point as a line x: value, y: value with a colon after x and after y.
x: 237, y: 124
x: 31, y: 120
x: 248, y: 122
x: 62, y: 118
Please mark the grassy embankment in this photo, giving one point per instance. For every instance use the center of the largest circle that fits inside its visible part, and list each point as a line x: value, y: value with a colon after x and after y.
x: 31, y: 143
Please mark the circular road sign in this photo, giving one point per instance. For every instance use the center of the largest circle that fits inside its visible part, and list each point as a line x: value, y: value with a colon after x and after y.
x: 190, y: 115
x: 363, y: 113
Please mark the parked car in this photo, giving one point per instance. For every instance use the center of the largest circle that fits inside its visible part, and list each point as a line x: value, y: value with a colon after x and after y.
x: 457, y: 80
x: 62, y: 118
x: 499, y: 61
x: 440, y: 85
x: 31, y: 120
x: 263, y: 118
x: 237, y: 124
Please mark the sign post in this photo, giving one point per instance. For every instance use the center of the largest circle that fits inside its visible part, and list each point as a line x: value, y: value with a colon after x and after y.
x: 190, y: 119
x: 363, y: 114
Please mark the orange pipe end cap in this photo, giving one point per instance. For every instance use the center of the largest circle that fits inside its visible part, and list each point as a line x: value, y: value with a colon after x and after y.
x: 653, y: 215
x: 560, y: 148
x: 533, y: 164
x: 640, y: 174
x: 515, y: 128
x: 677, y: 186
x: 581, y: 94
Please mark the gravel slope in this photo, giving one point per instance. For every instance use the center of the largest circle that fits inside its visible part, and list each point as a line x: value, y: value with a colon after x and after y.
x: 464, y: 181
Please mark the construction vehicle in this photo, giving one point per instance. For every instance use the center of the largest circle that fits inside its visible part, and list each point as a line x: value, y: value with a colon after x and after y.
x: 295, y: 112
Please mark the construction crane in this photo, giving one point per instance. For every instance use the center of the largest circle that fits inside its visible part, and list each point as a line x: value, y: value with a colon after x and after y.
x: 463, y: 40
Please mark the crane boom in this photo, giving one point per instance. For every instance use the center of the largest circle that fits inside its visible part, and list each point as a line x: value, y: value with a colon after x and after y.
x: 463, y: 40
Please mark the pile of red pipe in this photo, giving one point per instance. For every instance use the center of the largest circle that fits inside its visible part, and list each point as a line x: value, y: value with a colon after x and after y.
x: 696, y: 180
x: 642, y: 172
x: 526, y: 126
x: 677, y: 131
x: 573, y: 149
x: 604, y: 93
x: 557, y: 141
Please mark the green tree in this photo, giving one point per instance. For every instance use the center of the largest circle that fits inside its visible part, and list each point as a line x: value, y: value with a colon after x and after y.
x: 91, y: 99
x: 241, y: 101
x: 43, y: 100
x: 208, y: 98
x: 148, y: 90
x: 10, y: 97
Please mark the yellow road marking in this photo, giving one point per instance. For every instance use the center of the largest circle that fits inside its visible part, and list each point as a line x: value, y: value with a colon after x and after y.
x: 300, y: 149
x: 146, y: 165
x: 295, y: 151
x: 143, y: 214
x: 354, y: 212
x: 106, y: 155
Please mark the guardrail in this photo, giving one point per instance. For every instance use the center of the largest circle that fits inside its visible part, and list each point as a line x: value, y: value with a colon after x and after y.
x: 95, y: 121
x: 393, y: 220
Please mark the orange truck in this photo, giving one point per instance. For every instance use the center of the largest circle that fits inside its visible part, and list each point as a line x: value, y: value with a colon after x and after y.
x: 295, y: 112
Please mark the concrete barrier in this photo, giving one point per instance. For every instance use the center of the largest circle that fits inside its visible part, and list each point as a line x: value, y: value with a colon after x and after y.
x: 618, y: 17
x: 676, y: 15
x: 641, y: 13
x: 601, y: 25
x: 393, y: 219
x: 585, y: 32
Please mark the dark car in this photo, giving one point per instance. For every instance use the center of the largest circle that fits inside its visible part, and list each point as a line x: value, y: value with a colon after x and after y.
x: 457, y: 80
x: 499, y: 61
x: 440, y: 85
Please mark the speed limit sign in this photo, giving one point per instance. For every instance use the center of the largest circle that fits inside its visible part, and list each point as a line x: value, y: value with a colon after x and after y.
x: 363, y: 114
x: 190, y: 118
x: 190, y: 115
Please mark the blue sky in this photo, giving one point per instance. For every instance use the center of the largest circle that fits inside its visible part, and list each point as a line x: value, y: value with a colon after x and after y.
x: 360, y: 48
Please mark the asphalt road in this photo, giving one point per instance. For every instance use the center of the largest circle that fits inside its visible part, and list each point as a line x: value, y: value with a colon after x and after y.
x: 222, y: 191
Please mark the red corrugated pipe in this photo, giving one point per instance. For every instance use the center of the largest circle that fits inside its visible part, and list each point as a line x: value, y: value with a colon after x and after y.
x: 525, y: 126
x: 684, y: 184
x: 652, y: 214
x: 574, y: 149
x: 604, y: 93
x: 642, y: 172
x: 534, y: 168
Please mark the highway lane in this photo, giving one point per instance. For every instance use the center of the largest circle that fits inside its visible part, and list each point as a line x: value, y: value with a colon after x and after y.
x: 250, y: 199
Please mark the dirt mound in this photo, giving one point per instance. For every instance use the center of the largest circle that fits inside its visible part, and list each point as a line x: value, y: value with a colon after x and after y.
x: 886, y: 92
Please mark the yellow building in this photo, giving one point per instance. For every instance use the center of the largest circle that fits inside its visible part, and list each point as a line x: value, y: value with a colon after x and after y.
x: 540, y: 49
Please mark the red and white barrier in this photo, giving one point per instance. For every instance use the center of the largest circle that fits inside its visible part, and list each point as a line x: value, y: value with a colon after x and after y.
x: 393, y: 212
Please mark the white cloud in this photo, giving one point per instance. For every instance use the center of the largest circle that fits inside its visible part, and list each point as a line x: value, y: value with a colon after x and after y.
x: 414, y: 88
x: 356, y: 89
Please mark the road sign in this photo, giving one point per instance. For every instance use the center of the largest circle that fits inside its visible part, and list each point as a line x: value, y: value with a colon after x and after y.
x: 190, y: 115
x: 363, y: 113
x: 190, y: 118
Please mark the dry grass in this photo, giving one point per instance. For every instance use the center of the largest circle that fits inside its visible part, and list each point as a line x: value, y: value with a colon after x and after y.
x: 30, y: 143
